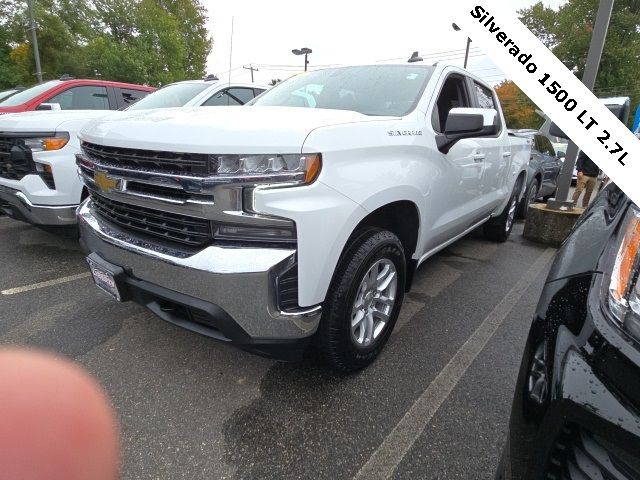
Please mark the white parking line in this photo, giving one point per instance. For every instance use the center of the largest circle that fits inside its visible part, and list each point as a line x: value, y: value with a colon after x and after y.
x: 48, y: 283
x: 383, y: 462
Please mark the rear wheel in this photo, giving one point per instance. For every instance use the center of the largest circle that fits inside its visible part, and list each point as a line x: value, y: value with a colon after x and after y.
x: 499, y: 228
x: 364, y: 300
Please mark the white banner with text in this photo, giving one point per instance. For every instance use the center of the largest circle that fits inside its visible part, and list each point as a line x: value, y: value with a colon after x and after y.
x: 554, y: 88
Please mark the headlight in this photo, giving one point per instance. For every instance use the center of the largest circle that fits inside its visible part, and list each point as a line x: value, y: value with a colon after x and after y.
x: 296, y: 168
x: 45, y: 144
x: 624, y: 290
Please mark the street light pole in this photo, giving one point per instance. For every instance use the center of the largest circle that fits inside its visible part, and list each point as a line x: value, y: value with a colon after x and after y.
x: 303, y: 51
x: 34, y: 40
x: 589, y: 79
x: 466, y: 54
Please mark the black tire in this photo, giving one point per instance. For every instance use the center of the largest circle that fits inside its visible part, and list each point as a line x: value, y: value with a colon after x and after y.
x: 334, y: 339
x: 530, y: 196
x: 499, y: 228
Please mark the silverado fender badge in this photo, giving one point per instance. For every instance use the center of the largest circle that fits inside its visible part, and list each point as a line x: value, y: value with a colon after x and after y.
x: 404, y: 133
x: 104, y: 182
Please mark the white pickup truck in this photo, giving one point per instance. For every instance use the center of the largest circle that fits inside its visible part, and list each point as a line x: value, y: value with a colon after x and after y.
x: 38, y: 175
x: 302, y: 217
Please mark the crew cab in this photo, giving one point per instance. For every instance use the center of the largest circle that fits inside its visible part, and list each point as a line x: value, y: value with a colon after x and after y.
x: 302, y: 217
x: 69, y: 93
x: 38, y: 176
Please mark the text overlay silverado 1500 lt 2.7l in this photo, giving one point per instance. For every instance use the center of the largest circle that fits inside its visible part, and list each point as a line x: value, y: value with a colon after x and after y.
x: 302, y: 217
x: 39, y: 183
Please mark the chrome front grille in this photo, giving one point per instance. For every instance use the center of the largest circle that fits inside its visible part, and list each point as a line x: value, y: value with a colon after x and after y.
x: 169, y: 227
x: 158, y: 191
x: 189, y: 164
x: 187, y: 211
x: 17, y: 165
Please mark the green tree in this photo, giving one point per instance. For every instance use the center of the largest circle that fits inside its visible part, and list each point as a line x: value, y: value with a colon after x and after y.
x: 149, y: 41
x: 10, y: 74
x: 141, y: 41
x: 568, y: 31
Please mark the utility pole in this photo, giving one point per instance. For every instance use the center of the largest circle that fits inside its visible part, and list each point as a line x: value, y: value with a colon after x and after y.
x: 34, y: 40
x: 252, y: 68
x: 598, y: 39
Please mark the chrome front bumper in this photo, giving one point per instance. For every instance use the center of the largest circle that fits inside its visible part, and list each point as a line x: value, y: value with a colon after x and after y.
x: 241, y: 281
x: 15, y: 204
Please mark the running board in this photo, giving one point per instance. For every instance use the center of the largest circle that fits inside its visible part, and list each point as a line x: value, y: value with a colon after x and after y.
x: 444, y: 245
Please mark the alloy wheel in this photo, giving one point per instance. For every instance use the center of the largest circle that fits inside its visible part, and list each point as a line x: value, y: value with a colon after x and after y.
x: 374, y: 303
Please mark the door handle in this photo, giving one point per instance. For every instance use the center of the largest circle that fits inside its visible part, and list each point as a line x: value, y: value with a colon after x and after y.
x: 479, y: 157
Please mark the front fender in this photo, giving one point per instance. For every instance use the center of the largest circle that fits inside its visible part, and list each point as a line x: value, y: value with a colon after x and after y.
x: 324, y: 220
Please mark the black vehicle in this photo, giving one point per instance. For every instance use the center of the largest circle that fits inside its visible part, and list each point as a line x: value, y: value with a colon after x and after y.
x: 576, y: 410
x: 542, y: 174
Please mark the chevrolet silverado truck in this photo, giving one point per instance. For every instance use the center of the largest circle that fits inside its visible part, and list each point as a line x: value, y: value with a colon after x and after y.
x: 298, y: 220
x: 39, y: 183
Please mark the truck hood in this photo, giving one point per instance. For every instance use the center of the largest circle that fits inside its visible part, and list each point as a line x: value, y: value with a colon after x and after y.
x: 45, y: 121
x: 246, y: 130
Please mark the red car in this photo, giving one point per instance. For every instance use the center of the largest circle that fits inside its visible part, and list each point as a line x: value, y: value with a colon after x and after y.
x: 73, y: 94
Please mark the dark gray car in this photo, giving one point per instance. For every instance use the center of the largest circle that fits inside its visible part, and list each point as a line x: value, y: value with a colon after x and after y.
x: 543, y: 170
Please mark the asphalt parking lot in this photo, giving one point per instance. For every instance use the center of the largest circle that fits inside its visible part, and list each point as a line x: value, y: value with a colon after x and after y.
x: 435, y: 405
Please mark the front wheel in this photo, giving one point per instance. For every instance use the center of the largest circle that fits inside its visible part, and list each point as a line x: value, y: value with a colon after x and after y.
x: 499, y: 228
x: 530, y: 197
x: 364, y: 300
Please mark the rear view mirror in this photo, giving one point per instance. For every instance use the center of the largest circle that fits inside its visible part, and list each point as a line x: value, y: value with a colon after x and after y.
x: 467, y: 123
x: 49, y: 106
x: 556, y: 131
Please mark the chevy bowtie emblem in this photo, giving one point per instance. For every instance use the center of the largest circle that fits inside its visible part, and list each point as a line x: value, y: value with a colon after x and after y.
x: 105, y: 183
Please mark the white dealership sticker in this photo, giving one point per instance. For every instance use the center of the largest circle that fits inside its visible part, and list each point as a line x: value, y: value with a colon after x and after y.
x: 556, y: 91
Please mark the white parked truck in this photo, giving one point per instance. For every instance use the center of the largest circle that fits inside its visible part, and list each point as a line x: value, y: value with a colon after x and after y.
x: 301, y: 218
x: 38, y: 175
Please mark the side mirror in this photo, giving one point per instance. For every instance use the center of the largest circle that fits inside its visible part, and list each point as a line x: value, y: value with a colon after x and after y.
x: 556, y: 131
x: 560, y: 154
x: 49, y: 106
x: 467, y: 123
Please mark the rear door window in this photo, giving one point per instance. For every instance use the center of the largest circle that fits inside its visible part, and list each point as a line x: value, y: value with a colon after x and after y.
x: 484, y: 96
x: 82, y: 98
x: 545, y: 146
x: 486, y: 99
x: 128, y: 96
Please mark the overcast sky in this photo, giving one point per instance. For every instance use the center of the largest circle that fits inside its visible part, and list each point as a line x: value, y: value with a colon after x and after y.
x: 339, y: 32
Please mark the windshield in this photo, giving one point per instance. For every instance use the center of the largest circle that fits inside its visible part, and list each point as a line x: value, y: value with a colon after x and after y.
x: 7, y: 93
x: 390, y: 90
x: 28, y: 94
x: 175, y: 95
